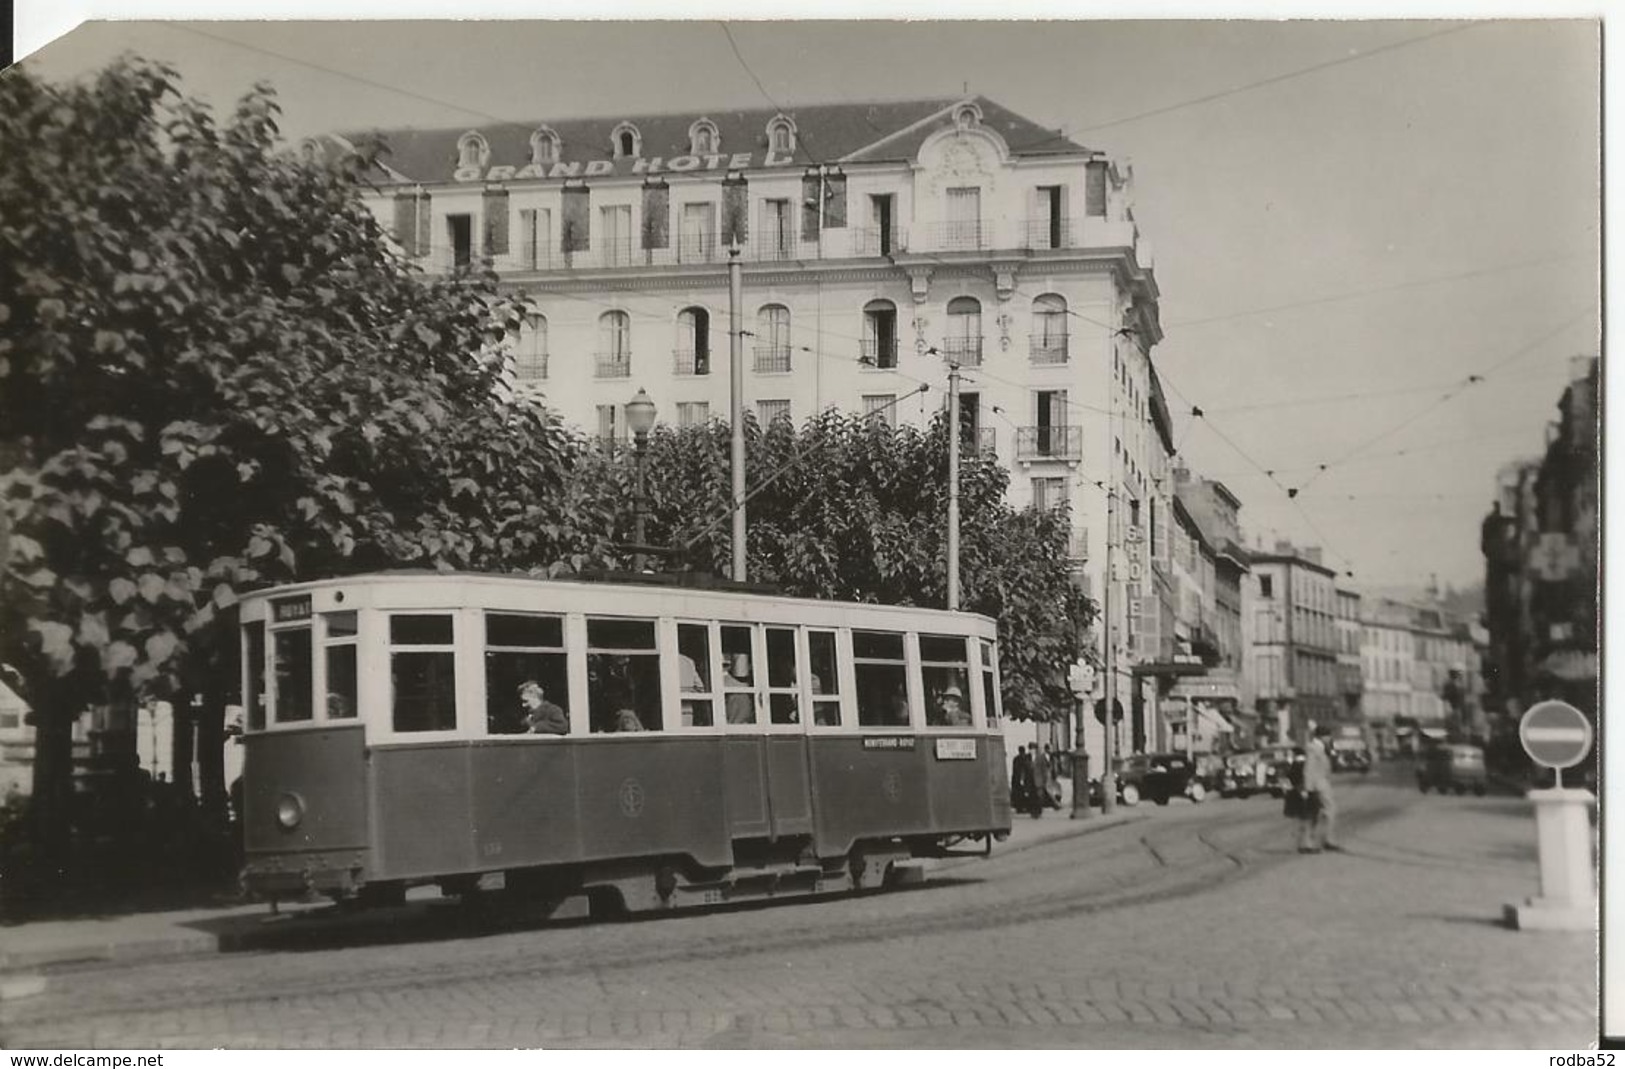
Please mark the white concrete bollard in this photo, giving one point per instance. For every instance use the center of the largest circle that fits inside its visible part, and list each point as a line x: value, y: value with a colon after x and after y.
x: 1568, y: 896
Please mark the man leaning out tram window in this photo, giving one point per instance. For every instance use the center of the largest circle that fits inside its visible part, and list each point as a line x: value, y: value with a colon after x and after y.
x: 541, y: 716
x: 951, y: 709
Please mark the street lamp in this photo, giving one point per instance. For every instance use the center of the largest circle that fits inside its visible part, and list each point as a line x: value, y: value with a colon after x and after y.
x: 640, y: 417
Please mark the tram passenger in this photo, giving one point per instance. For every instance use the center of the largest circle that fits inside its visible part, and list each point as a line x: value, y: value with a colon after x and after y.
x: 741, y: 703
x: 627, y: 720
x: 541, y: 716
x: 951, y: 707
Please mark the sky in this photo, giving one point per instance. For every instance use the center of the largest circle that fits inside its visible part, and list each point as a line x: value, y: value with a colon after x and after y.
x: 1348, y: 219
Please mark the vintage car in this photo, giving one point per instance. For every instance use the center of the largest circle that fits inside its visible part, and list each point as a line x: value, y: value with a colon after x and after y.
x: 1282, y: 768
x: 1243, y: 775
x: 1131, y: 774
x: 1452, y: 767
x: 1170, y: 776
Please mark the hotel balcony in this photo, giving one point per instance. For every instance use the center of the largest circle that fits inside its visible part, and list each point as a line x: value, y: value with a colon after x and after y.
x: 612, y: 366
x: 1050, y: 350
x: 772, y: 359
x: 690, y: 362
x: 966, y: 352
x: 1022, y: 237
x: 1049, y: 443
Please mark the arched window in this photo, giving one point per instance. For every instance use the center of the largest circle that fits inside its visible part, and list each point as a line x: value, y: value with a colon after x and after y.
x: 614, y: 345
x: 967, y: 115
x: 963, y: 342
x: 693, y: 355
x: 1049, y: 329
x: 544, y: 146
x: 472, y: 151
x: 626, y: 141
x: 773, y: 338
x: 781, y: 134
x: 880, y: 334
x: 703, y: 139
x: 531, y: 365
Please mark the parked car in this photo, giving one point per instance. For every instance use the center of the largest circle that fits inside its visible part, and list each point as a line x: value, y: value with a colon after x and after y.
x: 1243, y: 775
x: 1452, y: 766
x: 1282, y: 769
x: 1350, y: 755
x: 1170, y: 776
x: 1131, y: 773
x: 1210, y: 772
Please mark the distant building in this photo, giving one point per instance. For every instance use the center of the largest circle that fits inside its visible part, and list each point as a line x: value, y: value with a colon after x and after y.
x: 1350, y: 672
x: 1294, y: 649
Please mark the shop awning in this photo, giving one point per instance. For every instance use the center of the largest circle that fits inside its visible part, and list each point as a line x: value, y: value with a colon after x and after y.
x: 1570, y: 666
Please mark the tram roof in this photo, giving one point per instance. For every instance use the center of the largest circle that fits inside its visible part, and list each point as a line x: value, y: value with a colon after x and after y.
x: 718, y: 596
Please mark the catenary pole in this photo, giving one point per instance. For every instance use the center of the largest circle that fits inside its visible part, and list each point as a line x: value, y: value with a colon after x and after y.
x: 1108, y: 778
x: 953, y: 483
x: 736, y: 405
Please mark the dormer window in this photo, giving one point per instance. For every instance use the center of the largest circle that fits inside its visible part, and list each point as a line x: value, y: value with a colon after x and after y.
x: 781, y: 134
x: 472, y: 151
x: 703, y: 139
x: 625, y: 141
x: 967, y: 115
x: 544, y: 146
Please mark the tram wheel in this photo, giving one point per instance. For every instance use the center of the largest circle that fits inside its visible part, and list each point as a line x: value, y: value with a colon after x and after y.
x: 858, y: 866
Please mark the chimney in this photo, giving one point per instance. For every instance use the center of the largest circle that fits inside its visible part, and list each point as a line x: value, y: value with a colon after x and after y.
x: 1312, y: 554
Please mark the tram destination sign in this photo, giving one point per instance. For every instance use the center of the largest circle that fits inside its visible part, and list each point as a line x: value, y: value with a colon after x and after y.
x: 888, y: 742
x: 956, y: 749
x: 1555, y: 734
x: 287, y: 610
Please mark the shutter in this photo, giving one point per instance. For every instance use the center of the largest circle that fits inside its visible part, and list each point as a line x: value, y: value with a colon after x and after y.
x: 422, y: 232
x: 656, y: 215
x: 835, y: 202
x: 496, y: 222
x: 406, y: 221
x: 809, y: 207
x: 735, y: 211
x: 1094, y: 193
x: 574, y: 218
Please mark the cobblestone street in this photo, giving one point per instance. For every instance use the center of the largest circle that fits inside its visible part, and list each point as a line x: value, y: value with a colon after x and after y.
x: 1198, y: 926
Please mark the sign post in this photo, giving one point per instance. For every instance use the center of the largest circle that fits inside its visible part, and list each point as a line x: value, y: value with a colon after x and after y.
x: 1081, y: 680
x: 1558, y: 736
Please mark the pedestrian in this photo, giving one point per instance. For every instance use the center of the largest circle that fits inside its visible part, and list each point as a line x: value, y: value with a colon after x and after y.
x: 1053, y: 759
x: 1021, y: 781
x: 1041, y: 783
x: 1317, y: 821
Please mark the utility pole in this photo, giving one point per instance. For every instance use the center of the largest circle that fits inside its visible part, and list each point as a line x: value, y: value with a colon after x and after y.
x: 1108, y: 778
x: 736, y: 413
x: 953, y: 483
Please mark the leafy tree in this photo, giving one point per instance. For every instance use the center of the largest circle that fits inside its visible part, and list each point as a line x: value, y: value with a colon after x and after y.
x: 215, y: 374
x: 857, y: 512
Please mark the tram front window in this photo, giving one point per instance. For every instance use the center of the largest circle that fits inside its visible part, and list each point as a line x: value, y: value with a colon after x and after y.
x: 423, y: 679
x: 946, y: 673
x: 881, y: 675
x: 293, y: 675
x: 526, y: 681
x: 623, y: 676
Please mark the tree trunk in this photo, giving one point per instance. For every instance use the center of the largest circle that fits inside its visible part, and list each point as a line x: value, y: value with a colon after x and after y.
x: 182, y: 743
x: 211, y: 741
x: 51, y: 808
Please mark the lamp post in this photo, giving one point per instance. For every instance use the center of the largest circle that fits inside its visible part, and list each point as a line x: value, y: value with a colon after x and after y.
x: 640, y: 417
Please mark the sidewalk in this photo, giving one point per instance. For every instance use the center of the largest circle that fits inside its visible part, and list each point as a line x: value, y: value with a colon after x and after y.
x: 144, y: 936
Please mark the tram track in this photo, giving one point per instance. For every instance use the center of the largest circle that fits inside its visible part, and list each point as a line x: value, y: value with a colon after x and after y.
x: 1121, y: 869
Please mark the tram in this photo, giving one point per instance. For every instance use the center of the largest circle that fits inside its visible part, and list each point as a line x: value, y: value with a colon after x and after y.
x: 646, y: 746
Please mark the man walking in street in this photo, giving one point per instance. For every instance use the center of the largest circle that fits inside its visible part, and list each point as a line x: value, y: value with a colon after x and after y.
x: 1317, y: 823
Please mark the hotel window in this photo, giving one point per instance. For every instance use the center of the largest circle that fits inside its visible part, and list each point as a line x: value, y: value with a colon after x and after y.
x: 1049, y: 329
x: 963, y: 342
x: 1049, y: 493
x: 544, y: 147
x: 626, y: 141
x: 770, y: 412
x: 697, y: 237
x: 615, y: 233
x: 693, y: 356
x: 693, y: 413
x: 702, y: 138
x: 777, y: 239
x: 1266, y: 587
x: 531, y: 365
x: 880, y: 334
x: 614, y: 345
x: 964, y: 230
x: 881, y: 407
x: 472, y: 150
x: 773, y: 339
x: 781, y: 135
x: 460, y: 235
x: 606, y: 424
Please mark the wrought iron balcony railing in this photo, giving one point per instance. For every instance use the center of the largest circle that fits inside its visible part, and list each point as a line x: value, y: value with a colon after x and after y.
x: 1049, y: 443
x: 772, y: 359
x: 966, y: 352
x: 879, y: 352
x: 690, y: 362
x: 1050, y: 350
x: 613, y: 365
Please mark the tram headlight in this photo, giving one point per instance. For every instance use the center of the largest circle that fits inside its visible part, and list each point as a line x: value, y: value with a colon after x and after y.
x: 290, y: 810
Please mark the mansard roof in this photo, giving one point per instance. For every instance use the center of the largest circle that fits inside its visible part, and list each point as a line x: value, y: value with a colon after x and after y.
x: 825, y: 133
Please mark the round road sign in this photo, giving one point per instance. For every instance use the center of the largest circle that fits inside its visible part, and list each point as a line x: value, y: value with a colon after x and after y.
x: 1555, y: 734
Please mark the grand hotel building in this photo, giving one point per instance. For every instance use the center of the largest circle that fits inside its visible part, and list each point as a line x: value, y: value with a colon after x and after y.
x: 879, y: 242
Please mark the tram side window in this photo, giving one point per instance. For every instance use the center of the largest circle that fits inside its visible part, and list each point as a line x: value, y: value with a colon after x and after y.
x: 423, y: 679
x: 292, y: 660
x: 623, y: 676
x: 783, y: 686
x: 694, y: 675
x: 990, y: 689
x: 254, y: 700
x: 945, y: 668
x: 881, y: 675
x: 527, y: 687
x: 739, y: 681
x: 342, y: 691
x: 826, y: 681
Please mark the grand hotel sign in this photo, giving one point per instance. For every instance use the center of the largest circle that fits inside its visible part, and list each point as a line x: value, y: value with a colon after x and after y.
x: 630, y: 165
